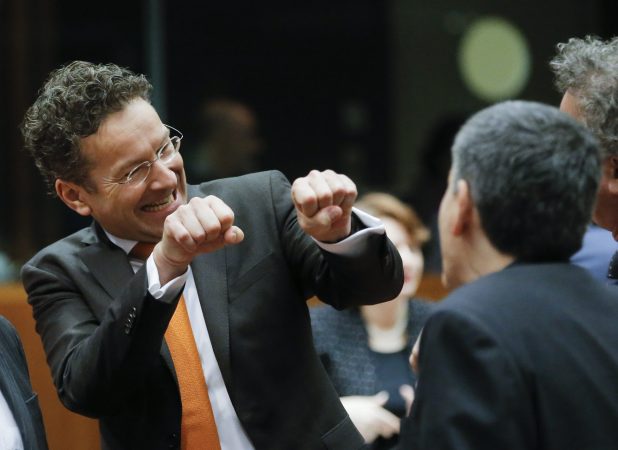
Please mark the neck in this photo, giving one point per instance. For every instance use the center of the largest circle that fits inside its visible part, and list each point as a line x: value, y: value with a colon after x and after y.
x: 481, y: 258
x: 387, y: 329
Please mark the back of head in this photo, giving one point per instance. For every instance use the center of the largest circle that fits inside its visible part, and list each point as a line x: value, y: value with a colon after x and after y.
x: 71, y: 105
x: 230, y: 137
x: 588, y: 69
x: 533, y: 174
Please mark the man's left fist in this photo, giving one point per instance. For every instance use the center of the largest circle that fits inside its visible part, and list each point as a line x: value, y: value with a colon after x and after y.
x: 323, y: 202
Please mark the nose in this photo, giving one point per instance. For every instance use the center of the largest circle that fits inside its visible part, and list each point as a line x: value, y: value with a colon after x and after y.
x: 164, y: 176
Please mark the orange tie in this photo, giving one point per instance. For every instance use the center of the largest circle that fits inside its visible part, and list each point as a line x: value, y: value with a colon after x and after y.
x: 198, y: 429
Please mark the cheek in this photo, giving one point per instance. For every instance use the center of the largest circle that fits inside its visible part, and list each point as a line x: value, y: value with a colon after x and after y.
x: 415, y: 262
x: 606, y: 210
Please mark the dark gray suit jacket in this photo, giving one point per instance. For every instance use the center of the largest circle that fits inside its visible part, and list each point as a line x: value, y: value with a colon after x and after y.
x: 16, y: 389
x: 103, y: 332
x: 525, y: 358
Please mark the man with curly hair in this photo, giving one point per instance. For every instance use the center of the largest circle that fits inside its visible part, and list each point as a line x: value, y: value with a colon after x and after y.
x: 586, y: 72
x: 179, y: 318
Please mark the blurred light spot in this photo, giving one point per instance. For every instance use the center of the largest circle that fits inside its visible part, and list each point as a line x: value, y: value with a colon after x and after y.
x: 494, y: 59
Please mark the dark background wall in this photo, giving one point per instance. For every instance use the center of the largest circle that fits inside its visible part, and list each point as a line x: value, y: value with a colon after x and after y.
x: 360, y: 86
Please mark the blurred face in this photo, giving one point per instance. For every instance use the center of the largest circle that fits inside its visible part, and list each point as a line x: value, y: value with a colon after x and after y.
x: 411, y: 256
x: 124, y: 140
x: 606, y: 207
x: 384, y: 314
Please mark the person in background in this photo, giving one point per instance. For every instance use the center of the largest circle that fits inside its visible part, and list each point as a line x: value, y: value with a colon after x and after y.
x: 597, y: 251
x: 229, y: 144
x: 523, y: 354
x: 365, y: 350
x: 586, y: 73
x: 21, y: 422
x: 179, y: 318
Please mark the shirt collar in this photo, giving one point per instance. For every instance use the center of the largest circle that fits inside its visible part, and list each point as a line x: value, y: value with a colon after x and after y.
x: 125, y: 244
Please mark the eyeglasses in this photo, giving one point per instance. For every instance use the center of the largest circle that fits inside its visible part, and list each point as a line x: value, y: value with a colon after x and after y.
x: 165, y: 154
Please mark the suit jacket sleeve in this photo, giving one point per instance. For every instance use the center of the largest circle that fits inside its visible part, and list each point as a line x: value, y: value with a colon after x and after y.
x: 98, y: 365
x: 470, y: 394
x: 371, y: 274
x: 103, y: 332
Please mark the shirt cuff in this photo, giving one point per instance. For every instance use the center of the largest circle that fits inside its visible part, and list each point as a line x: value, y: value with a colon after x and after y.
x: 169, y: 291
x: 349, y: 244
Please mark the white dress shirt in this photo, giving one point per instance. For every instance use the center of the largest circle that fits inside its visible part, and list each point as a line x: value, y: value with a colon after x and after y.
x: 10, y: 437
x: 232, y: 436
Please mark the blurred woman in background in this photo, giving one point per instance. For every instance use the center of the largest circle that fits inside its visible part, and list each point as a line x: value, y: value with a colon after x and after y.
x: 366, y: 350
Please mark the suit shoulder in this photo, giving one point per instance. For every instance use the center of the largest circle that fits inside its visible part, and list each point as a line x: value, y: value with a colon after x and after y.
x: 253, y: 182
x: 522, y: 297
x: 64, y: 247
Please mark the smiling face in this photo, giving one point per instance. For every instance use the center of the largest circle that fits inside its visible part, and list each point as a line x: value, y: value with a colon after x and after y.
x: 124, y: 140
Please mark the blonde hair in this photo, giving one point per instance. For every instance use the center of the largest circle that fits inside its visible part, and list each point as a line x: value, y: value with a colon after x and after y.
x: 381, y: 204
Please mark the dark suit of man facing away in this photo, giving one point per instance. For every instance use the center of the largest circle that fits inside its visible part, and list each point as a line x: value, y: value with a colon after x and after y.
x: 524, y: 353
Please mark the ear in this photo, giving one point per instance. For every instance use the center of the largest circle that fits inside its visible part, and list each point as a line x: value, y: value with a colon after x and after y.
x: 73, y: 196
x: 465, y: 208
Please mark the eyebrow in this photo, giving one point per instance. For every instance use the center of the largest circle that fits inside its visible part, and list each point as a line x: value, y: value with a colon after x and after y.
x: 132, y: 164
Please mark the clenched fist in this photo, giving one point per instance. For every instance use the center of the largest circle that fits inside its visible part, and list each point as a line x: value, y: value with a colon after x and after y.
x: 203, y: 225
x: 323, y: 202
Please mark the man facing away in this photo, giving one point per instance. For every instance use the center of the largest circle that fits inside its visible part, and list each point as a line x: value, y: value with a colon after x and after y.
x: 586, y: 73
x: 206, y: 344
x: 523, y: 354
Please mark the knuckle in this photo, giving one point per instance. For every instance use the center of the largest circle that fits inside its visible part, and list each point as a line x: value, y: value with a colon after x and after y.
x: 213, y: 229
x: 195, y: 201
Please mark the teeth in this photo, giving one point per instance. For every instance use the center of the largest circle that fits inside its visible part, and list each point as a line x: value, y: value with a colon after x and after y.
x: 159, y: 206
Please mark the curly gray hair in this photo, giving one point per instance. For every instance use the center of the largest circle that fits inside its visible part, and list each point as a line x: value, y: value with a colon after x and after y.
x: 71, y: 105
x: 588, y: 69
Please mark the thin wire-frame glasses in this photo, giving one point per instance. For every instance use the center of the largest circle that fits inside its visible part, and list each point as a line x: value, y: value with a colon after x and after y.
x: 165, y: 154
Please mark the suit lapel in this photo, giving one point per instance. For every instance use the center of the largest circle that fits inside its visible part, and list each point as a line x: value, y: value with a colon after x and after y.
x: 107, y: 263
x: 209, y: 272
x: 110, y: 266
x: 210, y: 275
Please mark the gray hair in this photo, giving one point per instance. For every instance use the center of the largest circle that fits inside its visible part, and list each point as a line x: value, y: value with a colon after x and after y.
x: 588, y: 69
x: 533, y: 173
x: 71, y: 106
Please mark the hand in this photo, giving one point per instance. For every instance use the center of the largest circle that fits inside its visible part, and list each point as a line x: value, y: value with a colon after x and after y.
x: 414, y: 354
x: 201, y: 226
x: 407, y: 392
x: 369, y: 416
x: 323, y: 202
